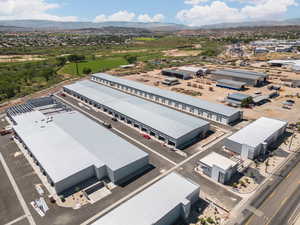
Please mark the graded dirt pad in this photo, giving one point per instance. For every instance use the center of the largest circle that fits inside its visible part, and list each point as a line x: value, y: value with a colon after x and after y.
x: 207, y: 90
x: 178, y: 53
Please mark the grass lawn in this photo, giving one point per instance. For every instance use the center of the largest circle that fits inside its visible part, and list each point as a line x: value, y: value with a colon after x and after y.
x: 97, y: 65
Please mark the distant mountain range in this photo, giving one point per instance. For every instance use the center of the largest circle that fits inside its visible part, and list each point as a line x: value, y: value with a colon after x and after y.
x: 289, y: 22
x: 20, y: 25
x: 54, y: 25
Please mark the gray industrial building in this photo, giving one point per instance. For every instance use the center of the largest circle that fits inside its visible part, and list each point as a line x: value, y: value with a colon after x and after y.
x: 231, y: 84
x: 70, y: 148
x: 249, y: 77
x: 173, y: 127
x: 218, y: 167
x: 180, y: 74
x: 163, y: 203
x: 254, y: 139
x: 236, y: 99
x: 197, y: 107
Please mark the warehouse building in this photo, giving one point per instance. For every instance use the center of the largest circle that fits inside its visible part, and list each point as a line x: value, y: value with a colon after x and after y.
x: 254, y: 139
x: 196, y: 71
x: 70, y: 148
x: 180, y: 74
x: 218, y: 167
x: 170, y: 126
x: 249, y: 77
x: 231, y: 84
x: 197, y: 107
x: 163, y: 203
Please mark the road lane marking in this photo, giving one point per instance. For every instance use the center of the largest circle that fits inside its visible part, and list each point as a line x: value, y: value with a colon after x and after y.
x: 16, y: 220
x: 17, y: 191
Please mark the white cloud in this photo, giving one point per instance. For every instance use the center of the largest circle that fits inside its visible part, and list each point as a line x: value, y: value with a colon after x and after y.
x: 118, y: 16
x: 128, y: 17
x: 30, y: 9
x: 146, y: 18
x: 219, y: 12
x: 195, y: 2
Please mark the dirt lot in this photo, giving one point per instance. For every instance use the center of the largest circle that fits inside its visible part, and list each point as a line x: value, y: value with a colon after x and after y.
x: 177, y: 53
x: 20, y: 58
x: 206, y: 89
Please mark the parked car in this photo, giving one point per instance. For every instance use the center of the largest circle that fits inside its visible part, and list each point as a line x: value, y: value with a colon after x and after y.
x: 290, y: 101
x: 114, y: 119
x: 63, y: 95
x: 107, y: 125
x: 5, y: 132
x: 146, y: 136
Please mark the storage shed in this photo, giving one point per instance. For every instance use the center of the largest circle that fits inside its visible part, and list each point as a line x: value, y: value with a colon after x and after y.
x: 254, y: 139
x: 180, y: 74
x: 160, y: 204
x: 195, y: 106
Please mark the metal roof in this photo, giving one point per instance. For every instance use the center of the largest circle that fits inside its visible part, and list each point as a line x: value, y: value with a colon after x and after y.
x: 232, y: 82
x: 196, y: 102
x: 69, y: 142
x: 154, y: 203
x: 238, y: 96
x: 257, y: 132
x: 168, y: 121
x: 240, y: 74
x: 215, y: 159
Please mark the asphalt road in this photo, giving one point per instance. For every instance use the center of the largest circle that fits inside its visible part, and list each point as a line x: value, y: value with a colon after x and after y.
x: 277, y: 203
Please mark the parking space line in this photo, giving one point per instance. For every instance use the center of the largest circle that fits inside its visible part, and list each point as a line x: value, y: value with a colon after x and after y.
x: 120, y: 132
x: 16, y: 220
x: 17, y: 191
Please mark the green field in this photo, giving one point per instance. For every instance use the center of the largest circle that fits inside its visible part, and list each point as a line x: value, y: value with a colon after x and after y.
x: 145, y: 39
x: 98, y: 65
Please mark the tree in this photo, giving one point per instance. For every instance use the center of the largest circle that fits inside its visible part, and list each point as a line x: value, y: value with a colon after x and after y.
x: 86, y: 70
x: 247, y: 102
x: 76, y: 59
x: 61, y: 61
x: 130, y: 58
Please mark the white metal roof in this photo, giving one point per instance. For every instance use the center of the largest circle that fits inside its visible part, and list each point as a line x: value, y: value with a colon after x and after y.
x: 257, y: 132
x: 168, y: 121
x: 196, y: 102
x: 192, y: 69
x: 71, y: 142
x: 152, y: 204
x: 218, y: 160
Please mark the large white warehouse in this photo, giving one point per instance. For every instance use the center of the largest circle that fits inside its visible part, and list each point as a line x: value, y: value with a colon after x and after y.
x: 173, y: 127
x: 160, y: 204
x: 70, y: 148
x: 212, y: 111
x: 254, y: 139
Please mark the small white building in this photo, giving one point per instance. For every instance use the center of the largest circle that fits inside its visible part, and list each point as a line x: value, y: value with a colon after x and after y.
x: 254, y: 139
x: 160, y: 204
x: 218, y: 167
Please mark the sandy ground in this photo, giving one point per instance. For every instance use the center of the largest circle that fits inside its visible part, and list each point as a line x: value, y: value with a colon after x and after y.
x: 203, y: 86
x: 177, y: 53
x: 20, y: 58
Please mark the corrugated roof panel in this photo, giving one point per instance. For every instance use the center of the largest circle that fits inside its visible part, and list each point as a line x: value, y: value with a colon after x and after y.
x: 168, y: 121
x: 202, y: 104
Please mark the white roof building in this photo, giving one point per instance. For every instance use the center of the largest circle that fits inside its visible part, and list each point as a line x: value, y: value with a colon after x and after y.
x: 160, y: 204
x: 215, y: 159
x: 254, y: 139
x: 71, y: 148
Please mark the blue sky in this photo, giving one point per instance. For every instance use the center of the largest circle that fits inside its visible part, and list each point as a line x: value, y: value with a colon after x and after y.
x: 190, y: 12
